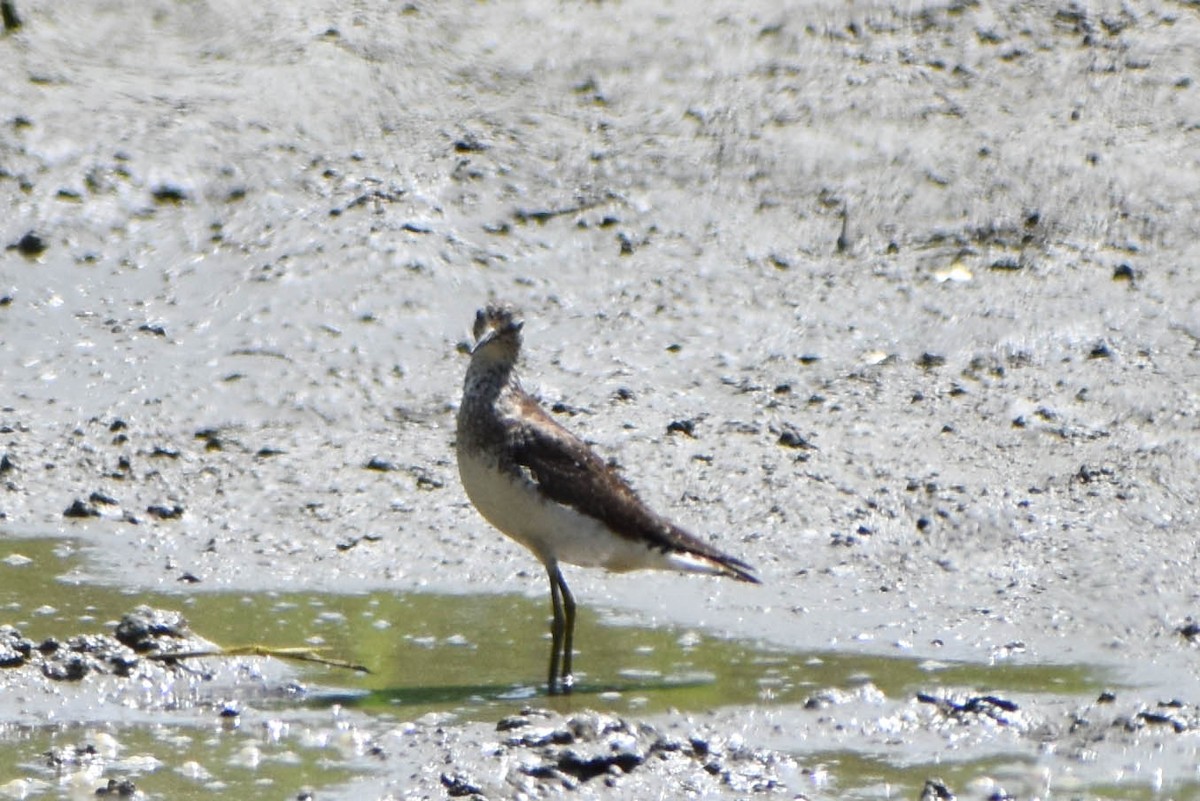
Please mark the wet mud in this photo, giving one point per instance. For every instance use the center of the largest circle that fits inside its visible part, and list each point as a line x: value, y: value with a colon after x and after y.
x: 896, y: 303
x: 144, y: 634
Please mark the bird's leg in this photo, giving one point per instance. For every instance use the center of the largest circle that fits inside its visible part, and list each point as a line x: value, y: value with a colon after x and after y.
x: 568, y: 602
x: 557, y: 627
x: 562, y: 632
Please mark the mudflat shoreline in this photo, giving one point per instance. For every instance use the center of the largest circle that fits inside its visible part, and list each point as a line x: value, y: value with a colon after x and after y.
x: 896, y: 304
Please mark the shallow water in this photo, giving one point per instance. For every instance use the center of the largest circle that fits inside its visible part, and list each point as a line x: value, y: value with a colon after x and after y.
x: 485, y: 655
x: 168, y: 761
x: 436, y: 657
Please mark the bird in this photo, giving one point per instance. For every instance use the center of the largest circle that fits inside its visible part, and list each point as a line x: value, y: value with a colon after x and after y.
x: 546, y: 488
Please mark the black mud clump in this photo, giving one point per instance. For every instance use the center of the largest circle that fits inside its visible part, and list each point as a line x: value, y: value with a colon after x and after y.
x: 15, y: 650
x: 969, y: 708
x: 147, y: 629
x: 142, y: 633
x: 1125, y: 724
x: 31, y: 245
x: 120, y: 788
x: 8, y: 12
x: 565, y: 753
x: 81, y: 509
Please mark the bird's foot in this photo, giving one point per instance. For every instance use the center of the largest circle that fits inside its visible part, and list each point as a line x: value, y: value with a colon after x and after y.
x: 562, y: 685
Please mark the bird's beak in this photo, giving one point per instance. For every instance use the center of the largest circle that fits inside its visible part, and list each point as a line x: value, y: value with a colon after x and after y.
x: 487, y: 337
x: 514, y: 327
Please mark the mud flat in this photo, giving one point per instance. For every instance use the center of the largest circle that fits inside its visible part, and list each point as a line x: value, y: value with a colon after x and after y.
x: 897, y: 303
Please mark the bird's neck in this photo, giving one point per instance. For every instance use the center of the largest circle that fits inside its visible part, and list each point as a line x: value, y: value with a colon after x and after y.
x: 486, y: 379
x: 488, y: 383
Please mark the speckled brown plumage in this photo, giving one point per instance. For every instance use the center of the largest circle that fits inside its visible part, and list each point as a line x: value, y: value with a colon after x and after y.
x: 544, y: 487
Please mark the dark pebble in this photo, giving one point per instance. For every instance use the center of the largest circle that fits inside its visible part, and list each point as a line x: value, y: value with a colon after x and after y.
x: 15, y: 650
x: 141, y: 628
x: 170, y: 193
x: 936, y: 790
x: 211, y: 438
x: 31, y: 245
x: 382, y: 465
x: 73, y: 668
x: 685, y: 427
x: 589, y: 767
x: 930, y: 360
x: 426, y: 481
x: 790, y: 438
x: 165, y: 512
x: 458, y: 785
x: 470, y: 144
x: 512, y: 722
x: 80, y: 509
x: 123, y: 788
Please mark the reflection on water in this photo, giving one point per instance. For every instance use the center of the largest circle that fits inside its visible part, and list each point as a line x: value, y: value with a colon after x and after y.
x: 480, y: 656
x: 472, y: 657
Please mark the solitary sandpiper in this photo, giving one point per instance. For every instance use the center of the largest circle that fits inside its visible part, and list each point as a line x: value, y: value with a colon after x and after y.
x: 544, y: 487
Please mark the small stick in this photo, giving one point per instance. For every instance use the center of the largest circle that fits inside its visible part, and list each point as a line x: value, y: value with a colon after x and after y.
x: 296, y: 654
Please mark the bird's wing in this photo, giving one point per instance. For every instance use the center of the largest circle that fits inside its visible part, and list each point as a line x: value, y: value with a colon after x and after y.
x: 569, y: 472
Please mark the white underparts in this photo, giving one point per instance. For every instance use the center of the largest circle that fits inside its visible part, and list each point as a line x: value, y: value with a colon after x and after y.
x: 558, y: 533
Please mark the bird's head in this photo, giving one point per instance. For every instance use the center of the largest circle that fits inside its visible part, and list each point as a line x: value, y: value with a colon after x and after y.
x: 497, y: 332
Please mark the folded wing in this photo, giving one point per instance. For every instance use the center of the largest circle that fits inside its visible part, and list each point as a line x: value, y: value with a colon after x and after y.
x: 568, y: 472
